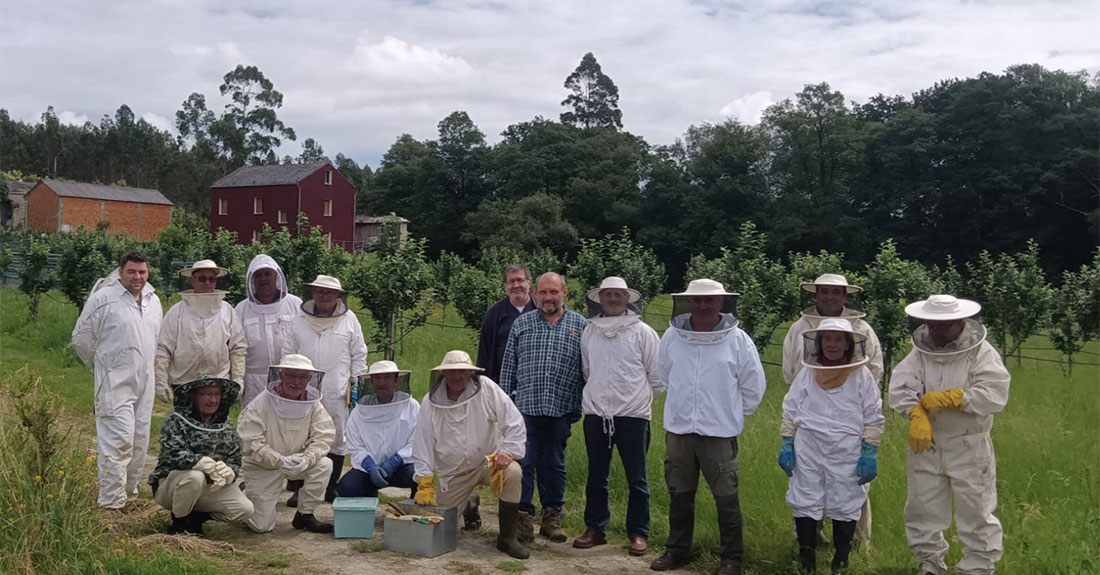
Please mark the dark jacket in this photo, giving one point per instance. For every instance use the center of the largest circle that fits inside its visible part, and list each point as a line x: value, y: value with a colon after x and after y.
x: 495, y: 327
x: 185, y: 438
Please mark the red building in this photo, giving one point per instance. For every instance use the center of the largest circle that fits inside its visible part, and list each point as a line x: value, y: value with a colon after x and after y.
x: 253, y: 195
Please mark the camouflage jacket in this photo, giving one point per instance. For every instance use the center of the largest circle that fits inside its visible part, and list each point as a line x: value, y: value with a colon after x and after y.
x: 185, y: 438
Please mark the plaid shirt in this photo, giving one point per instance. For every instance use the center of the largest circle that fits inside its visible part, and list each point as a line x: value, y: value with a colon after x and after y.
x: 542, y: 364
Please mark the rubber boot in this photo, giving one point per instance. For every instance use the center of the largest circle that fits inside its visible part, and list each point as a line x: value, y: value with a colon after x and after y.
x: 293, y: 500
x: 806, y: 528
x: 179, y: 524
x: 196, y: 519
x: 471, y: 516
x: 310, y: 523
x: 294, y: 485
x: 843, y: 532
x: 337, y: 469
x: 507, y: 541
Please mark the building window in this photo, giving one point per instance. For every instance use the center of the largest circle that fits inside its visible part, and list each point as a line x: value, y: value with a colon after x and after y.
x: 328, y: 240
x: 328, y: 207
x: 255, y: 235
x: 328, y: 177
x: 282, y: 216
x: 257, y: 206
x: 223, y: 207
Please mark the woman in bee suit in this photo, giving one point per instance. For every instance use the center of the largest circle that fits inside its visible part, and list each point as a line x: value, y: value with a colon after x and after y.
x: 285, y: 434
x: 264, y: 316
x: 332, y: 339
x: 380, y: 433
x: 200, y: 457
x: 949, y: 386
x: 832, y: 425
x: 470, y: 433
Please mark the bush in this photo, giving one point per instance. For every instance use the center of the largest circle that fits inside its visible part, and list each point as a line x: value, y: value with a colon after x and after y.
x: 35, y: 277
x: 618, y: 255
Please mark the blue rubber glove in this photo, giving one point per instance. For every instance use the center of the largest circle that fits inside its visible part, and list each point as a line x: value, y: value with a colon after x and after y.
x: 391, y: 465
x: 369, y: 464
x: 786, y: 456
x: 867, y: 468
x: 378, y: 479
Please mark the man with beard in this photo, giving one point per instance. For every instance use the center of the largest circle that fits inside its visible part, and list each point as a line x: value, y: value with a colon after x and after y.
x: 542, y: 374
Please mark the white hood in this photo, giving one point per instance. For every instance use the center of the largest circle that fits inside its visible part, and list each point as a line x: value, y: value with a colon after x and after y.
x: 264, y: 261
x: 203, y: 304
x: 612, y: 326
x: 682, y: 323
x: 292, y: 408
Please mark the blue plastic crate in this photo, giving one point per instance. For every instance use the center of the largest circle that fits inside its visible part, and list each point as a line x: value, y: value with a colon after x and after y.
x: 354, y: 517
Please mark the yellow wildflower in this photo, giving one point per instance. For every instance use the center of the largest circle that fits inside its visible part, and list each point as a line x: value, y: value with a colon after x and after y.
x: 38, y: 479
x: 49, y: 496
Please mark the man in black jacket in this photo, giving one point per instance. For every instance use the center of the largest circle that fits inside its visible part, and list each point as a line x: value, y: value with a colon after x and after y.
x: 498, y: 319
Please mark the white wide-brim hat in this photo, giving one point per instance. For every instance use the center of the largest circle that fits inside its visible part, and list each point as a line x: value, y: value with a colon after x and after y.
x: 705, y: 287
x: 203, y: 265
x: 943, y: 308
x: 456, y: 359
x: 296, y: 361
x: 327, y: 282
x: 614, y: 282
x: 830, y: 280
x: 836, y: 324
x: 385, y: 366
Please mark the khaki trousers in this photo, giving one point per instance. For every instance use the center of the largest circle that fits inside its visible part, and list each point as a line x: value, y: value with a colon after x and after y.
x: 265, y: 486
x: 184, y: 491
x: 459, y: 487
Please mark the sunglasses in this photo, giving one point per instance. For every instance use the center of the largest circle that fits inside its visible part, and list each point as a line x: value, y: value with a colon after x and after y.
x: 205, y: 279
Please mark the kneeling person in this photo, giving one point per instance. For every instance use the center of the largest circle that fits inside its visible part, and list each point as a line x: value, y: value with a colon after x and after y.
x: 286, y: 434
x: 470, y: 433
x: 380, y: 433
x: 200, y: 457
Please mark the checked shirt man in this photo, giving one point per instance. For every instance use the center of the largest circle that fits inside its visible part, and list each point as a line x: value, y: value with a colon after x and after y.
x: 542, y: 374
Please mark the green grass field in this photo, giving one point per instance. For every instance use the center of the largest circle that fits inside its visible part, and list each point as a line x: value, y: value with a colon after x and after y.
x: 1047, y: 446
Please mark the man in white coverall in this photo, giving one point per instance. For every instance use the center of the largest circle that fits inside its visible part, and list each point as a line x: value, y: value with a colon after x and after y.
x: 619, y: 360
x: 830, y: 293
x: 331, y: 337
x: 950, y: 386
x: 470, y: 433
x: 264, y: 316
x: 285, y: 434
x: 200, y: 335
x: 715, y: 380
x: 116, y: 336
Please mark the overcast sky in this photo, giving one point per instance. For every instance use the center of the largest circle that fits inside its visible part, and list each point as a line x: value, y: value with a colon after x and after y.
x: 357, y: 74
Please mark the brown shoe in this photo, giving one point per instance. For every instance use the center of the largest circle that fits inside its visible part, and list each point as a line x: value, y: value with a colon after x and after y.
x: 668, y: 561
x: 525, y: 527
x: 638, y: 546
x: 590, y: 539
x: 729, y: 569
x: 551, y: 525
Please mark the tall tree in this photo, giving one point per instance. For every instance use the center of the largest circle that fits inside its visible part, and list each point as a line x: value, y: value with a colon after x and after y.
x: 193, y: 120
x: 312, y: 152
x: 595, y: 98
x: 251, y: 127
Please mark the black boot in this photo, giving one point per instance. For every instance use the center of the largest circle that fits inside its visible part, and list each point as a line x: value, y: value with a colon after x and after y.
x: 310, y: 523
x: 806, y: 529
x: 337, y: 469
x: 843, y: 532
x: 179, y: 524
x: 507, y: 541
x: 196, y: 519
x: 471, y: 517
x: 294, y: 485
x: 293, y: 501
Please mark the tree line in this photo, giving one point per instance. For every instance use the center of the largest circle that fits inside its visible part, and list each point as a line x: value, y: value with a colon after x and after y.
x: 400, y: 287
x: 983, y: 163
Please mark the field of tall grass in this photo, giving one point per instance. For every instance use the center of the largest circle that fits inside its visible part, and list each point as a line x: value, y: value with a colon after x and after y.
x: 1047, y: 447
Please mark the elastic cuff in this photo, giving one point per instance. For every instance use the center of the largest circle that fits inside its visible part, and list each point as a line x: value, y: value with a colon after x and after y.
x: 872, y: 435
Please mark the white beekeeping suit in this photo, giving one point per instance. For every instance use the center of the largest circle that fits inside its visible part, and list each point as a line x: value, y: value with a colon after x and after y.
x: 970, y: 384
x: 263, y: 326
x: 382, y: 430
x: 200, y: 335
x: 115, y: 336
x: 336, y: 346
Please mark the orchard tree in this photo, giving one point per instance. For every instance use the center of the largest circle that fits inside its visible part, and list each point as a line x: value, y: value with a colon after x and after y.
x: 1016, y: 300
x: 36, y: 277
x: 478, y: 290
x: 616, y: 255
x: 81, y: 264
x: 595, y: 99
x: 1076, y: 316
x: 445, y: 270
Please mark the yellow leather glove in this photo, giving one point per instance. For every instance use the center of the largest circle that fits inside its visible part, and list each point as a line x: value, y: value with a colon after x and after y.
x: 934, y: 401
x: 425, y: 491
x: 496, y: 477
x: 920, y: 430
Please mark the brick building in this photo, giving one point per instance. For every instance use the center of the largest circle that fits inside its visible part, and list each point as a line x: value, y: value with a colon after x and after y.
x: 13, y: 211
x: 251, y: 196
x: 57, y: 206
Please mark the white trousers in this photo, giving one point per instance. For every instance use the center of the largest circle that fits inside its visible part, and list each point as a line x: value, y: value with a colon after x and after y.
x: 122, y: 437
x: 184, y: 491
x: 963, y: 468
x: 265, y: 485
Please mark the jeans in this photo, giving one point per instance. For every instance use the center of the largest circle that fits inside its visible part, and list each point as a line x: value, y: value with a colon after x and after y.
x: 546, y: 437
x: 357, y: 483
x: 631, y: 436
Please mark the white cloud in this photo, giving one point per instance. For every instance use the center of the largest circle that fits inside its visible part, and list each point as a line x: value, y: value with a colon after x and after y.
x: 71, y: 118
x: 748, y: 108
x: 395, y: 59
x: 676, y: 62
x: 159, y: 122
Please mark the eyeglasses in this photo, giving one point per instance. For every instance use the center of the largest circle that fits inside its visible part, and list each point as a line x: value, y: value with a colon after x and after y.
x: 205, y: 279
